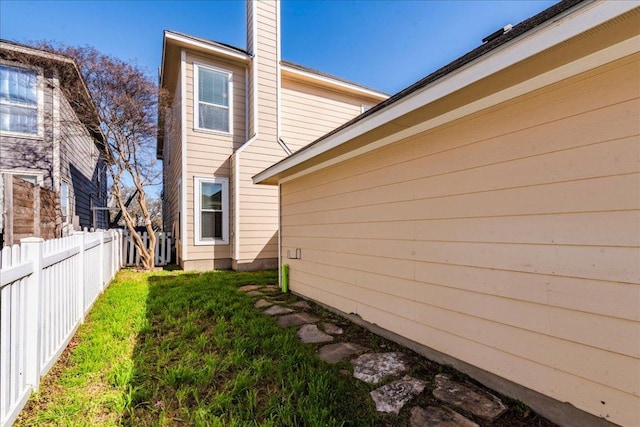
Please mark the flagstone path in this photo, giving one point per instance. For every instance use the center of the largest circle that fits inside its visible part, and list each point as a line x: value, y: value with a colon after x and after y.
x: 388, y: 368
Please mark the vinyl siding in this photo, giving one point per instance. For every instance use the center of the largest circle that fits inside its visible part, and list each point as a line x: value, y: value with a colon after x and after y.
x: 208, y: 156
x: 75, y: 159
x: 79, y: 167
x: 508, y: 239
x: 172, y: 167
x: 258, y: 204
x: 311, y: 110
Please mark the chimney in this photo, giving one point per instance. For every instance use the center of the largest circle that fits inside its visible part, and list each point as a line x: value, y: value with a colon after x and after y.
x: 263, y: 42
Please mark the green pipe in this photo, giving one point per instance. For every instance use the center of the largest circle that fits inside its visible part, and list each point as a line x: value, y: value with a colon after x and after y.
x: 285, y: 278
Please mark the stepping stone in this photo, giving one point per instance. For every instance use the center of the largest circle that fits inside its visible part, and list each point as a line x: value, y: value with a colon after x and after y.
x: 438, y: 417
x: 332, y: 329
x: 270, y: 289
x: 479, y: 403
x: 247, y: 288
x: 296, y: 319
x: 303, y: 305
x: 374, y: 367
x: 254, y: 293
x: 276, y: 310
x: 393, y: 396
x: 334, y: 353
x: 311, y: 334
x: 262, y: 303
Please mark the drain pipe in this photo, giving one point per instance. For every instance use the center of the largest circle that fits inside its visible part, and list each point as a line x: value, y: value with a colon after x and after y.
x: 285, y: 278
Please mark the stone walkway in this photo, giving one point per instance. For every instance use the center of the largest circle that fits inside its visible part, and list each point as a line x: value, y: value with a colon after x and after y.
x: 387, y: 368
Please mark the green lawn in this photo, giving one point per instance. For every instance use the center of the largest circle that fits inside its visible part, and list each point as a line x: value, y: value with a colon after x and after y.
x: 173, y: 348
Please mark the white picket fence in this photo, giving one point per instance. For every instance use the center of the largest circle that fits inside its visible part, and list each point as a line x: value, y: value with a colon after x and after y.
x: 162, y: 249
x: 47, y: 287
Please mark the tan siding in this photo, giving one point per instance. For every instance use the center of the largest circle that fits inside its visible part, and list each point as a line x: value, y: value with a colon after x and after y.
x: 259, y: 204
x: 172, y: 164
x: 508, y: 239
x: 208, y: 153
x: 310, y: 111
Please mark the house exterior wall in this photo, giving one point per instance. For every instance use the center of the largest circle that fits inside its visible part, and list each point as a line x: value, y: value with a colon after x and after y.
x: 208, y: 155
x: 62, y: 150
x: 31, y: 154
x: 310, y: 110
x: 82, y: 168
x: 258, y: 205
x: 172, y: 168
x: 508, y: 239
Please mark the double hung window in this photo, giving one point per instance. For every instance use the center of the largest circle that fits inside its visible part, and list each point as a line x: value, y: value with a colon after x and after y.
x: 213, y: 99
x: 211, y: 211
x: 18, y: 100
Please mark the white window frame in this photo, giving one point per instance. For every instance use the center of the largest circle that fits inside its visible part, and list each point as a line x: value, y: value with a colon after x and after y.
x: 25, y: 172
x: 197, y: 197
x: 66, y: 215
x: 196, y: 98
x: 39, y: 105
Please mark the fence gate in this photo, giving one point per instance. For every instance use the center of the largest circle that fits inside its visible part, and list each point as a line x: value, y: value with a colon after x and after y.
x: 162, y: 249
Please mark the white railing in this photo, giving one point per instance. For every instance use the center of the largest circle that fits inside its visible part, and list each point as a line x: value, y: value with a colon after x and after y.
x: 162, y: 249
x: 46, y: 288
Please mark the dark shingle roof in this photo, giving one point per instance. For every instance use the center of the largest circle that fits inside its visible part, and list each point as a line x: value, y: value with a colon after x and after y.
x: 476, y: 53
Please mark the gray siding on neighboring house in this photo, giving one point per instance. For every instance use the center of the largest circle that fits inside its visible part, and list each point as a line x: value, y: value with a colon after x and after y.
x: 63, y: 150
x: 32, y: 154
x: 81, y: 168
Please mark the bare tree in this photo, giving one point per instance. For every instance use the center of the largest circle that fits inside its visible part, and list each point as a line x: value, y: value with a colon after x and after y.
x: 127, y: 103
x: 154, y: 206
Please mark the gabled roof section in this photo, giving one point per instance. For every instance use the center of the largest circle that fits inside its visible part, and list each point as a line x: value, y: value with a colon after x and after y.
x: 392, y: 115
x: 71, y: 82
x: 172, y: 44
x: 297, y: 69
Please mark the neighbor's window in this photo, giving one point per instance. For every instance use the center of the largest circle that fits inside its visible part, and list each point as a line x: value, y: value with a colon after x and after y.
x: 33, y: 179
x: 64, y: 201
x: 213, y: 95
x: 18, y: 100
x: 212, y: 211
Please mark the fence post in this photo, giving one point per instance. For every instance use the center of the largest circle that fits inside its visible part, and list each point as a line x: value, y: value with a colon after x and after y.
x: 33, y: 252
x: 101, y: 261
x: 80, y: 241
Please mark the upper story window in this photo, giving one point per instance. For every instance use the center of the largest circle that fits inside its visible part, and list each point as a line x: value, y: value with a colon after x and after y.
x: 212, y: 109
x: 18, y: 100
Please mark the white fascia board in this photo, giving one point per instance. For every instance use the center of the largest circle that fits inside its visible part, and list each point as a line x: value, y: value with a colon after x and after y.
x: 535, y: 41
x: 333, y: 82
x: 211, y: 48
x: 620, y: 50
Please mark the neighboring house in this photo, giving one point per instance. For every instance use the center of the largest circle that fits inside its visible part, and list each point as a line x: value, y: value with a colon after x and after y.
x: 50, y: 137
x: 233, y: 113
x: 488, y: 216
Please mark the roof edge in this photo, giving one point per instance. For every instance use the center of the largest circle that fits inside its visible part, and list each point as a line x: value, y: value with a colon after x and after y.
x: 418, y: 94
x: 298, y: 69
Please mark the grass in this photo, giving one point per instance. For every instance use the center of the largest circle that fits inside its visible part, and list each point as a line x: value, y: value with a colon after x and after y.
x: 172, y: 348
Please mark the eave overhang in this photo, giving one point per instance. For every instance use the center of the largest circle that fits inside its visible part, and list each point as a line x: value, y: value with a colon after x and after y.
x: 479, y: 79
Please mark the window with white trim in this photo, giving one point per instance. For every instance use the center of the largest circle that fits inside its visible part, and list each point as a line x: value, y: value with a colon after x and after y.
x: 211, y: 210
x: 213, y: 92
x: 18, y: 100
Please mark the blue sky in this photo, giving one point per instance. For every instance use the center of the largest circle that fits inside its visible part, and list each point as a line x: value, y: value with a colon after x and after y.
x: 386, y: 45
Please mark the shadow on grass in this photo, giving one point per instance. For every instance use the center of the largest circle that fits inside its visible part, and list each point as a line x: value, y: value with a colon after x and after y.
x: 205, y: 356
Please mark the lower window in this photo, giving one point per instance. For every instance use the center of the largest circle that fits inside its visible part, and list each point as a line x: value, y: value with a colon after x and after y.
x: 211, y: 210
